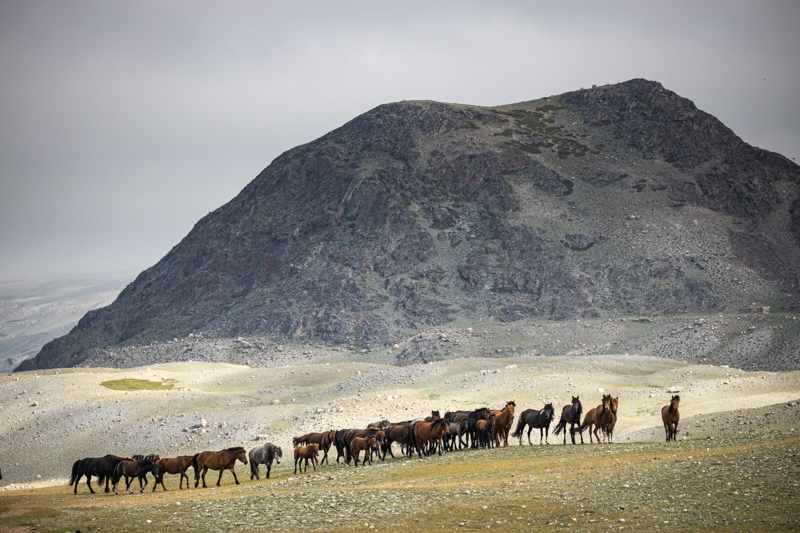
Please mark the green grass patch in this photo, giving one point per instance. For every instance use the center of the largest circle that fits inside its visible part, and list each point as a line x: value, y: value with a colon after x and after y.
x: 131, y: 384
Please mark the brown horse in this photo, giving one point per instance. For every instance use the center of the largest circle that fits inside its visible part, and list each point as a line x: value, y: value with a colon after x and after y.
x: 324, y: 440
x: 430, y: 432
x: 502, y: 422
x: 306, y: 452
x: 485, y: 430
x: 362, y: 443
x: 221, y: 460
x: 670, y: 416
x: 399, y: 433
x: 173, y: 465
x: 348, y: 437
x: 592, y: 418
x: 611, y: 420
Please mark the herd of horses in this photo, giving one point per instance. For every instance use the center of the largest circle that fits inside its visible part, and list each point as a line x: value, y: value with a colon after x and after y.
x: 480, y: 428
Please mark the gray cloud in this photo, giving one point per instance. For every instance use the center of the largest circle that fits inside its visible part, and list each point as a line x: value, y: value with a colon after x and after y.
x: 121, y: 124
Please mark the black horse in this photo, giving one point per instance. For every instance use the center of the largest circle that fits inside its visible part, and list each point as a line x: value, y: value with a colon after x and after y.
x: 101, y: 467
x: 264, y: 455
x: 570, y: 414
x: 478, y: 414
x: 535, y: 419
x: 338, y: 441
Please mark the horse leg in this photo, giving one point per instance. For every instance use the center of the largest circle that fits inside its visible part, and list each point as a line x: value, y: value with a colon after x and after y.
x: 269, y: 467
x: 221, y: 470
x: 205, y: 471
x: 233, y: 471
x: 88, y: 484
x: 301, y: 466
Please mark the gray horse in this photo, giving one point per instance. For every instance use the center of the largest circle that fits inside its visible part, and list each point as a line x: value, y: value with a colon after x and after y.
x: 264, y: 455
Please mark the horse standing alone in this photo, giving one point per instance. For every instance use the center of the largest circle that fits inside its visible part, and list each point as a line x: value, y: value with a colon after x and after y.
x: 535, y: 419
x: 670, y: 416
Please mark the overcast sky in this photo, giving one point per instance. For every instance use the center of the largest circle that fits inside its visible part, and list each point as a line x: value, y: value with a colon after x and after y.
x: 124, y: 122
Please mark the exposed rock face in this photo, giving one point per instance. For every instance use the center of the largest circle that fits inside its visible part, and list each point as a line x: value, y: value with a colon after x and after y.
x: 623, y: 198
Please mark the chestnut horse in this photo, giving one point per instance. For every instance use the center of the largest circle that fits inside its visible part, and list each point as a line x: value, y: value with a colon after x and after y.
x: 222, y: 460
x: 306, y: 452
x: 502, y: 422
x: 611, y: 420
x: 173, y: 465
x: 430, y: 432
x: 670, y: 416
x: 592, y: 418
x: 362, y: 443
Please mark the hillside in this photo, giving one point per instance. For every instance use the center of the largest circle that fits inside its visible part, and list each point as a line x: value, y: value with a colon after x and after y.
x: 616, y: 201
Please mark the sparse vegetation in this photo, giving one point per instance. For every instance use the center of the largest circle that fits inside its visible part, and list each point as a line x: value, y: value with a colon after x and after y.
x: 132, y: 384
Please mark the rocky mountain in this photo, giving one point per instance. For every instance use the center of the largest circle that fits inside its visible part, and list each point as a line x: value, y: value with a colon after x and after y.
x: 610, y: 201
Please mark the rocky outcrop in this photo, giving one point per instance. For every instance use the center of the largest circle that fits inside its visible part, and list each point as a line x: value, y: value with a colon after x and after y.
x: 597, y: 202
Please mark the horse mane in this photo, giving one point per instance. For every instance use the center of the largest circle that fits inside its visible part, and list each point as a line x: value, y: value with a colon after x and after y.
x: 673, y: 409
x: 234, y: 449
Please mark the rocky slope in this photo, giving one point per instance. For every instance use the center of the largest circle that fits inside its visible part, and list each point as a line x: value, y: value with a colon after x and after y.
x: 618, y: 200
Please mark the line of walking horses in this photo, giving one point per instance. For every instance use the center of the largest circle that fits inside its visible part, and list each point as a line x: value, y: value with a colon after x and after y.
x: 480, y: 428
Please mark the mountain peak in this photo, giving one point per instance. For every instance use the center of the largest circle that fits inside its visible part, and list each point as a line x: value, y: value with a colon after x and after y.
x: 604, y: 201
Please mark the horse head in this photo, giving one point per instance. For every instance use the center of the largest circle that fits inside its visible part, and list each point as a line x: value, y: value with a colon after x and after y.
x: 549, y: 409
x: 278, y: 453
x: 606, y: 402
x: 614, y: 405
x: 673, y: 404
x: 577, y: 408
x: 241, y: 455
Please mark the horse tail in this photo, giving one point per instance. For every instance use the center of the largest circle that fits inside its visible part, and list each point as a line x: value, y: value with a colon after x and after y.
x: 520, y: 427
x: 299, y: 440
x: 74, y: 477
x: 562, y: 424
x: 585, y: 425
x: 253, y: 467
x: 194, y: 465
